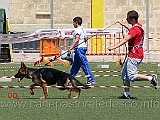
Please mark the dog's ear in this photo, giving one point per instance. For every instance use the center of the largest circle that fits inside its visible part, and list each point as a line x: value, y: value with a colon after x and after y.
x: 22, y: 64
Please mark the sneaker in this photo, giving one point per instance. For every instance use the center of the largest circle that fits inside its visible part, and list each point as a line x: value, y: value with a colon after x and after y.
x: 154, y: 81
x: 90, y: 83
x: 125, y: 97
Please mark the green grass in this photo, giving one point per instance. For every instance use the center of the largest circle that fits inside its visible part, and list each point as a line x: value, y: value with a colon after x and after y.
x: 93, y: 104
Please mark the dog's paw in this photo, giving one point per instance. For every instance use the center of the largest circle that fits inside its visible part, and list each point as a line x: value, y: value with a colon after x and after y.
x: 75, y: 97
x: 43, y: 97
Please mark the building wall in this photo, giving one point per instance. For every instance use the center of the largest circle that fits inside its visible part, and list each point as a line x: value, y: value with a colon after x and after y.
x: 117, y: 9
x: 24, y: 11
x: 25, y: 14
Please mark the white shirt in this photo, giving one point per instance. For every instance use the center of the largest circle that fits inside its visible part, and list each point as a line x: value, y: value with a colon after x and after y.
x: 82, y: 33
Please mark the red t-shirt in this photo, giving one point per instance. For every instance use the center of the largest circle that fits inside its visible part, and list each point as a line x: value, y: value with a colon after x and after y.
x: 136, y: 51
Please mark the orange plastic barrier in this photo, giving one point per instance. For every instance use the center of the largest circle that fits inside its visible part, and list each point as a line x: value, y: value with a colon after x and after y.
x: 96, y: 45
x: 50, y: 48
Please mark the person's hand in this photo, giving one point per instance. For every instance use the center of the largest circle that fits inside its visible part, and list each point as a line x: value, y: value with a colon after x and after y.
x: 123, y: 23
x: 70, y: 51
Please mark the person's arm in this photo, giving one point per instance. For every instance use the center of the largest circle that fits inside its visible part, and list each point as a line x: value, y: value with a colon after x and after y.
x: 123, y: 41
x: 75, y: 41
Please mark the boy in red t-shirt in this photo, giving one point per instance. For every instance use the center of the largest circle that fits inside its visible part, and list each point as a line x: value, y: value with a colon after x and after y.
x: 135, y: 56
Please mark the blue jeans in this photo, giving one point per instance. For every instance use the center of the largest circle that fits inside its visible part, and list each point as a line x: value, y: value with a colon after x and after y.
x: 80, y: 61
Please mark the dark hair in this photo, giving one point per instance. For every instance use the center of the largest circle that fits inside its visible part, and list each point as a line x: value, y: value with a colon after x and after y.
x: 78, y: 20
x: 133, y: 15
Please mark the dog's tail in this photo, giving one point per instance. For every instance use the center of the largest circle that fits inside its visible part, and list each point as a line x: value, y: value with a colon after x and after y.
x: 77, y: 83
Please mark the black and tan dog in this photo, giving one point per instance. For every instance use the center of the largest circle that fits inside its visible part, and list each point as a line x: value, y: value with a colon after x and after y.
x: 48, y: 76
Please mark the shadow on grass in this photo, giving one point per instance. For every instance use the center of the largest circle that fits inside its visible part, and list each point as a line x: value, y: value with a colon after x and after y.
x: 116, y: 98
x: 38, y: 98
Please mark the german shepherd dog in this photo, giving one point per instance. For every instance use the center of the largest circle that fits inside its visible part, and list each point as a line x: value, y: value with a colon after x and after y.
x: 48, y: 76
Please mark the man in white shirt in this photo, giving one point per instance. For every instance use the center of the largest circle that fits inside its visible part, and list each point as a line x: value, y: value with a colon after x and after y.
x: 80, y: 48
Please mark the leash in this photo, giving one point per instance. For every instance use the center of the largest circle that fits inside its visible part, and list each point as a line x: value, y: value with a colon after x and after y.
x: 125, y: 45
x: 79, y: 44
